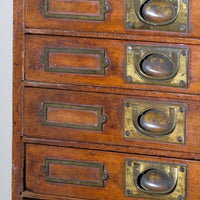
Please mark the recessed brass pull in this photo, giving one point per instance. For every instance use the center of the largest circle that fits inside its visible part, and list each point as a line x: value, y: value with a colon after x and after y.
x: 154, y: 123
x: 161, y: 15
x: 157, y: 65
x: 155, y: 180
x: 158, y: 12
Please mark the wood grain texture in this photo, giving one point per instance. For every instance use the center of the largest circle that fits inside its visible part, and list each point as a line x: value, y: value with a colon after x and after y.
x: 73, y: 7
x: 113, y: 163
x: 114, y: 22
x: 35, y: 196
x: 117, y: 36
x: 116, y: 148
x: 113, y: 109
x: 70, y: 116
x: 109, y: 90
x: 115, y: 75
x: 17, y: 145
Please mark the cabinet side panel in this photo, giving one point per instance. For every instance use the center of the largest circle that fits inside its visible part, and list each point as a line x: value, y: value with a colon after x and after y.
x: 17, y: 156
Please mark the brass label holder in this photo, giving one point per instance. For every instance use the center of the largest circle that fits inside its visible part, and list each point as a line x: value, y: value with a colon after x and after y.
x: 104, y: 62
x: 103, y: 9
x: 179, y: 24
x: 103, y: 175
x: 101, y: 117
x: 134, y: 107
x: 178, y: 56
x: 134, y: 168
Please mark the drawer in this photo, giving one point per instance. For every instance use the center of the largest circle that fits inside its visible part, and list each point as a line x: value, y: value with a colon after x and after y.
x: 111, y: 119
x: 97, y: 62
x: 107, y: 175
x: 177, y: 18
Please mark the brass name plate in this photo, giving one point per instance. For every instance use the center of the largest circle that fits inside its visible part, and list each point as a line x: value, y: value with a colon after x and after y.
x: 73, y: 116
x: 74, y: 172
x: 94, y: 10
x: 160, y: 15
x: 77, y: 61
x: 157, y: 65
x: 155, y: 180
x: 155, y: 121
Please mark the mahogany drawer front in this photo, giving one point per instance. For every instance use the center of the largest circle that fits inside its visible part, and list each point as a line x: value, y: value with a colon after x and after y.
x: 105, y: 119
x: 96, y: 16
x: 67, y: 172
x: 97, y: 62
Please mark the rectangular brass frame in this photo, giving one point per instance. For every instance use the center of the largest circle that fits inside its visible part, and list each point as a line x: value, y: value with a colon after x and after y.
x: 101, y: 17
x: 101, y: 118
x: 135, y: 53
x: 100, y: 166
x: 178, y: 132
x: 180, y: 189
x: 133, y: 22
x: 101, y: 53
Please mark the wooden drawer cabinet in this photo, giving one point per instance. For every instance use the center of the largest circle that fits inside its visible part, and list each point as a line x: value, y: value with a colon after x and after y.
x: 95, y: 174
x: 105, y: 119
x: 106, y: 100
x: 97, y: 62
x: 109, y: 16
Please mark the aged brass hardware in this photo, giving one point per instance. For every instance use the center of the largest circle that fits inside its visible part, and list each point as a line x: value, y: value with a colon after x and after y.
x: 103, y: 63
x: 102, y: 173
x: 156, y: 65
x: 103, y: 9
x: 101, y: 117
x: 161, y: 15
x: 155, y: 180
x: 154, y: 121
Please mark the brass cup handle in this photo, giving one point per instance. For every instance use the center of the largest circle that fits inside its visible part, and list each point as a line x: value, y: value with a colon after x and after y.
x: 155, y: 116
x: 156, y: 66
x: 157, y: 12
x: 155, y: 181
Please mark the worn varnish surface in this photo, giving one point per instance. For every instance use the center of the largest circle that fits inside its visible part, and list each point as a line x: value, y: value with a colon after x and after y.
x: 17, y: 145
x: 114, y: 22
x: 107, y: 146
x: 113, y: 163
x: 115, y: 72
x: 113, y: 129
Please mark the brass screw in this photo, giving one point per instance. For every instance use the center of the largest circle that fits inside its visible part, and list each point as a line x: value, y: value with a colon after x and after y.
x: 129, y: 78
x: 182, y: 169
x: 129, y: 25
x: 127, y: 133
x: 182, y: 83
x: 43, y: 169
x: 182, y: 28
x: 181, y: 109
x: 180, y: 197
x: 183, y: 53
x: 128, y: 105
x: 129, y: 163
x: 130, y: 49
x: 128, y: 192
x: 103, y: 119
x: 180, y: 139
x: 106, y: 8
